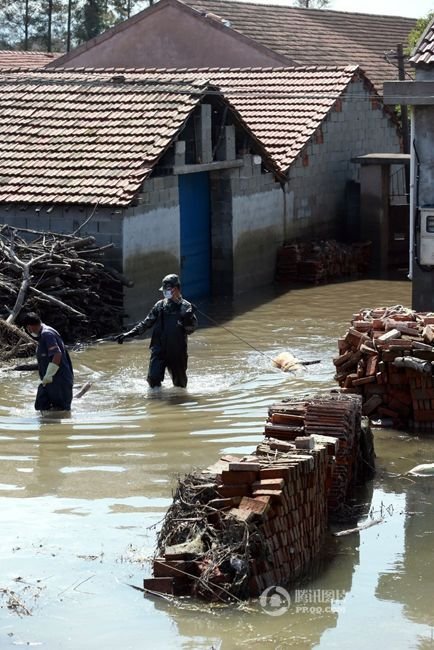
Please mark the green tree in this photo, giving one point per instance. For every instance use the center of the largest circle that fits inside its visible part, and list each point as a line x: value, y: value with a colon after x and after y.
x: 124, y: 9
x: 49, y: 26
x: 311, y: 4
x: 16, y: 21
x: 90, y: 19
x: 58, y: 25
x: 417, y: 32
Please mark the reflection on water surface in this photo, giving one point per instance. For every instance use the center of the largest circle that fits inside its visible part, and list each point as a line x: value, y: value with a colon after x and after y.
x: 81, y: 497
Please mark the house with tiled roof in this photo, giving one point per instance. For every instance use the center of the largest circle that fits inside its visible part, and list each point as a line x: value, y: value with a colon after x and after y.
x: 206, y: 172
x: 25, y: 60
x: 419, y: 94
x: 226, y: 33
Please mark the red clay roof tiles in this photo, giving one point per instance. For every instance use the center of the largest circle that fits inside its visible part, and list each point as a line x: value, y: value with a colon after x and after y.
x: 81, y: 138
x: 318, y: 36
x: 424, y: 50
x: 70, y: 138
x: 26, y: 60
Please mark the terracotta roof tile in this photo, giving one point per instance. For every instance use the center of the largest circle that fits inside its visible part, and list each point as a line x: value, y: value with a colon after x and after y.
x: 321, y: 36
x: 83, y: 138
x: 26, y: 60
x: 424, y: 50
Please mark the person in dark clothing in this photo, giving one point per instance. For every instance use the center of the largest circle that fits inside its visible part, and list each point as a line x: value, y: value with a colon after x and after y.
x: 54, y: 366
x: 172, y: 319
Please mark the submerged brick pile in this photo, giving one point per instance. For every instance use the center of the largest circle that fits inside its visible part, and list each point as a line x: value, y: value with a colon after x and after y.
x: 387, y: 357
x: 271, y: 516
x: 321, y: 261
x: 335, y: 416
x: 245, y: 524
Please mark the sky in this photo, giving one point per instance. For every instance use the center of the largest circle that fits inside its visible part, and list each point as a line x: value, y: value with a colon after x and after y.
x: 409, y: 8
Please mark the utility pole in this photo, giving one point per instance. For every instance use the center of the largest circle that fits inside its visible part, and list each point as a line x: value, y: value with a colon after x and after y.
x: 26, y: 26
x: 50, y: 18
x: 68, y: 27
x: 404, y: 110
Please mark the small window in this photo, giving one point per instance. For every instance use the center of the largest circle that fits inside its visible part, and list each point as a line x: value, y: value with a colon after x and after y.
x: 430, y: 223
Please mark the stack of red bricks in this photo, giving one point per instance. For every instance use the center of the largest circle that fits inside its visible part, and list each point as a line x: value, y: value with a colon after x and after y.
x: 369, y: 364
x: 335, y: 420
x: 322, y: 261
x: 278, y: 496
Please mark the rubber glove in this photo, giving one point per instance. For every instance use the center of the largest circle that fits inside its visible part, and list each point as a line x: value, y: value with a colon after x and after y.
x: 52, y: 368
x: 125, y: 335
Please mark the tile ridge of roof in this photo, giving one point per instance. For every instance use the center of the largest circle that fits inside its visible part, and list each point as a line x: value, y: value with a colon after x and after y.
x: 284, y: 7
x: 7, y: 69
x: 31, y: 52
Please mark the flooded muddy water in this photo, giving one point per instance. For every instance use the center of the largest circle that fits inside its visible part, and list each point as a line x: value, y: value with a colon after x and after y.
x: 81, y: 498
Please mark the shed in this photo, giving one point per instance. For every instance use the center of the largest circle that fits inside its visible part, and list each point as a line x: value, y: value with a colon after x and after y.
x: 205, y: 172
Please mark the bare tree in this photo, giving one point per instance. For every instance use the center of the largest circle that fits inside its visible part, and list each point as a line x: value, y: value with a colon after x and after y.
x: 311, y: 4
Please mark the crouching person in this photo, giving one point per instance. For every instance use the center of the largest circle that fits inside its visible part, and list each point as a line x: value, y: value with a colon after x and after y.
x: 54, y: 366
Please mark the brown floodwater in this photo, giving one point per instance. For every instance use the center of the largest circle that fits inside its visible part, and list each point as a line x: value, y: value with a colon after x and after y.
x: 81, y: 498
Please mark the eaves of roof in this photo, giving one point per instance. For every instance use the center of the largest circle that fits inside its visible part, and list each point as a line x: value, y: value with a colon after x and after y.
x: 92, y: 137
x: 423, y: 53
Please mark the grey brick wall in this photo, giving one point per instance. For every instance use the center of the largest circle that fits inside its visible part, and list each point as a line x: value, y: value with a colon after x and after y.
x: 151, y: 242
x: 318, y: 177
x: 105, y: 224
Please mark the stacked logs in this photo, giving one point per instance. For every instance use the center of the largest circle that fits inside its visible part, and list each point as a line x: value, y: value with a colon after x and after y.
x: 64, y: 279
x: 335, y: 418
x: 319, y: 262
x: 387, y: 356
x: 262, y: 524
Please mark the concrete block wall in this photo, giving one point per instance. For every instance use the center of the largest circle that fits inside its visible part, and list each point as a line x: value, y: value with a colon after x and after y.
x: 105, y: 224
x: 257, y: 224
x: 151, y: 243
x: 221, y: 231
x: 356, y: 126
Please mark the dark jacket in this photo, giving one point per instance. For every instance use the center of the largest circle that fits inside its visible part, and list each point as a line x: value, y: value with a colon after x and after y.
x: 50, y: 343
x: 172, y: 322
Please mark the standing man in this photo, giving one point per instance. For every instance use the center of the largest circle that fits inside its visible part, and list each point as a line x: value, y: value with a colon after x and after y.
x: 54, y: 366
x: 173, y: 319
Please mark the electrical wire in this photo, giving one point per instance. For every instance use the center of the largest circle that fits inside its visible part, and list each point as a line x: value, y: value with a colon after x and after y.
x: 240, y: 338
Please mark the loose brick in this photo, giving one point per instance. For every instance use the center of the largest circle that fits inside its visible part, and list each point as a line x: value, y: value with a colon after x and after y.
x: 276, y: 495
x: 275, y: 471
x: 167, y: 585
x: 244, y: 467
x: 241, y: 490
x: 171, y: 568
x: 232, y: 477
x: 268, y: 484
x: 258, y: 506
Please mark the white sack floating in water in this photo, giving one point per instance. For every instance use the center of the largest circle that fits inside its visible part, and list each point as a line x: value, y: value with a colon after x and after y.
x: 423, y: 470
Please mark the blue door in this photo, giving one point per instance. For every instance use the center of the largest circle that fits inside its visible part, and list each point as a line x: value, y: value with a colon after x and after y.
x: 195, y: 234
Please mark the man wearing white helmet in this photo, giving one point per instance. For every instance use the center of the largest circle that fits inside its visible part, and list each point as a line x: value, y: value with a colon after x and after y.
x: 172, y: 320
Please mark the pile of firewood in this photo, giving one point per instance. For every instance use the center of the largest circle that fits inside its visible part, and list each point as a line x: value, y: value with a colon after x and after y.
x: 319, y: 262
x: 63, y: 279
x: 387, y: 356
